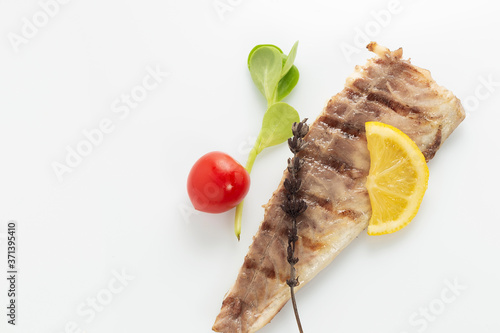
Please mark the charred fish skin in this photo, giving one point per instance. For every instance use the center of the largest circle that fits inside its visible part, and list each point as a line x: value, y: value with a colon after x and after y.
x: 336, y: 163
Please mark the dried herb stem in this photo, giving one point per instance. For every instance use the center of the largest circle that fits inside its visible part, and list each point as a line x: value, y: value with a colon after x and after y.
x: 294, y: 205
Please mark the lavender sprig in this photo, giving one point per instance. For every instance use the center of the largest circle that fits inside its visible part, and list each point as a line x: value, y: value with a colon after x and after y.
x: 294, y: 205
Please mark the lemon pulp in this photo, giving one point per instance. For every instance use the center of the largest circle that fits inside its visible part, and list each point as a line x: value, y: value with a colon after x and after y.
x: 397, y: 179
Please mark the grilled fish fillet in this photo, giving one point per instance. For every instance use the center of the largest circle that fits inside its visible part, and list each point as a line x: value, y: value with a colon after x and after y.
x: 387, y: 89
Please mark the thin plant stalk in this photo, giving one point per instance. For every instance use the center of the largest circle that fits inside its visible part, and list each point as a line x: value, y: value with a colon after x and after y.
x: 239, y: 208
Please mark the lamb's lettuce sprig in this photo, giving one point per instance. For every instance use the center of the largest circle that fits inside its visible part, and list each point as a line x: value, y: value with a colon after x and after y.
x: 275, y: 75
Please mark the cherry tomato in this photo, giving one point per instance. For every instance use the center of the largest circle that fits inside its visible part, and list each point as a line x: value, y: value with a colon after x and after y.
x: 217, y: 183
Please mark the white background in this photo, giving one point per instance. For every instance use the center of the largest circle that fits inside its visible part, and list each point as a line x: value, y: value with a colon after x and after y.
x: 124, y: 209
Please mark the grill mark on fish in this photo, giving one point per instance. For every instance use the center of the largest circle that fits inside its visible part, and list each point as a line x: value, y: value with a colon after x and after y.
x: 269, y: 272
x: 312, y: 199
x: 346, y: 128
x: 332, y: 142
x: 234, y: 304
x: 312, y: 245
x: 348, y: 213
x: 352, y: 94
x: 266, y: 226
x: 410, y: 73
x: 249, y: 263
x: 361, y: 84
x: 336, y: 162
x: 434, y: 146
x: 392, y: 104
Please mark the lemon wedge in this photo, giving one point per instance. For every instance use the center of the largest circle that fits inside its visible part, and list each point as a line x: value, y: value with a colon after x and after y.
x: 397, y: 179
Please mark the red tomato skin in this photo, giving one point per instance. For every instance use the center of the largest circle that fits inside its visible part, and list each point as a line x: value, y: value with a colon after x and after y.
x: 217, y: 183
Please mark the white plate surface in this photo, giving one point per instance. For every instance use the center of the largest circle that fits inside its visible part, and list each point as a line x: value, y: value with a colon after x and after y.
x: 113, y: 245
